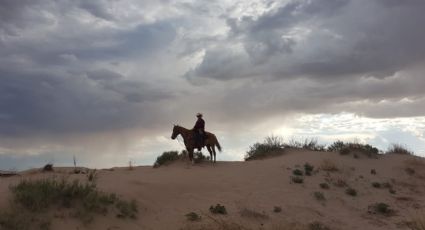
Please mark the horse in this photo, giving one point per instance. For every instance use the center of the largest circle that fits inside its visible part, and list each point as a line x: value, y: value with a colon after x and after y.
x: 189, y: 141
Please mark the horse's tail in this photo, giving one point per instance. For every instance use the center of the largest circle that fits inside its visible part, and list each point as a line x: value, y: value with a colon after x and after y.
x: 217, y: 144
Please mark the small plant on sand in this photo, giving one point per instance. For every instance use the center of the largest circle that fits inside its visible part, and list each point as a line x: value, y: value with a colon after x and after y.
x: 166, y: 157
x: 316, y: 225
x: 380, y: 208
x: 271, y: 146
x: 253, y: 214
x: 319, y: 196
x: 297, y: 172
x: 277, y: 209
x: 48, y: 167
x: 324, y: 185
x: 193, y: 216
x: 351, y: 192
x: 373, y: 171
x: 126, y: 209
x: 340, y: 183
x: 218, y: 209
x: 409, y: 171
x: 329, y: 166
x: 399, y: 149
x: 297, y: 180
x: 308, y: 168
x: 376, y: 185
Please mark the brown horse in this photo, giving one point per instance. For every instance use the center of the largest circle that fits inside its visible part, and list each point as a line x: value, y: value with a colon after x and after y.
x: 189, y: 141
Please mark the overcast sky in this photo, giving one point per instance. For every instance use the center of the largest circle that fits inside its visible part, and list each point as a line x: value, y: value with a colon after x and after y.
x: 105, y: 80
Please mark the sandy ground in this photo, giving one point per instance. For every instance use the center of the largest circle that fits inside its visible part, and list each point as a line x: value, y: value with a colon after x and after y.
x: 166, y: 194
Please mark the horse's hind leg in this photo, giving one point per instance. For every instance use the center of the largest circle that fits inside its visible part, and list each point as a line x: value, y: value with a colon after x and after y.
x: 213, y: 149
x: 211, y: 153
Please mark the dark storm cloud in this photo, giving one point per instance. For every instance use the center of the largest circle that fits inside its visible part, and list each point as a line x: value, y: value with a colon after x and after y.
x: 324, y: 39
x: 53, y: 103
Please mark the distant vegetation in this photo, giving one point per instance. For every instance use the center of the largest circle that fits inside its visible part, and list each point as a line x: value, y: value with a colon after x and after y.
x: 32, y: 200
x: 274, y: 145
x: 166, y: 157
x: 271, y: 145
x: 171, y: 156
x: 399, y: 149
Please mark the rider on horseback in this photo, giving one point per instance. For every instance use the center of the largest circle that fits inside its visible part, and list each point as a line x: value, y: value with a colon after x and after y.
x: 199, y: 131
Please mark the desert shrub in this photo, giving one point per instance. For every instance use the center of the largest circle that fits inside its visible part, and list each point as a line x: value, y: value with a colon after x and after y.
x: 345, y: 148
x: 308, y: 143
x: 392, y: 191
x: 399, y: 149
x: 376, y: 185
x: 193, y: 216
x: 351, y: 192
x: 297, y: 179
x: 380, y: 208
x: 308, y: 168
x: 37, y: 196
x: 340, y: 183
x: 319, y: 196
x: 297, y: 172
x: 218, y: 209
x: 373, y: 171
x: 271, y: 146
x: 336, y: 146
x: 277, y: 209
x: 92, y: 176
x: 166, y: 157
x: 253, y: 214
x: 324, y: 185
x: 316, y: 225
x: 329, y: 166
x: 126, y: 209
x: 48, y: 167
x: 409, y: 171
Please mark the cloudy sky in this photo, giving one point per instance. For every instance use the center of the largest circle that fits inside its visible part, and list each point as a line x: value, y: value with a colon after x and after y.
x: 105, y: 80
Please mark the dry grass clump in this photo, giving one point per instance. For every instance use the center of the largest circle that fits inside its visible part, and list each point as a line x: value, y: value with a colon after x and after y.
x: 253, y: 214
x: 417, y: 222
x: 399, y: 149
x: 329, y: 166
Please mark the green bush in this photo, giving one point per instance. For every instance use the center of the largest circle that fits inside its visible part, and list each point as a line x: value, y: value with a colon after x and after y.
x: 271, y: 146
x: 277, y: 209
x: 399, y: 149
x: 308, y: 168
x: 193, y: 216
x: 218, y: 209
x: 324, y: 185
x: 308, y: 143
x: 336, y: 146
x: 38, y: 196
x: 347, y: 148
x: 166, y: 157
x: 319, y: 196
x: 297, y: 172
x: 297, y: 180
x: 351, y: 192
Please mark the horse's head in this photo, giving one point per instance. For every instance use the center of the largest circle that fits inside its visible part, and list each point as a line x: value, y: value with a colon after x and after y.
x: 176, y: 132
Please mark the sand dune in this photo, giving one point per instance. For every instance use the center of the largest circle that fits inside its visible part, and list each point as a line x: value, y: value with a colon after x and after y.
x: 251, y: 190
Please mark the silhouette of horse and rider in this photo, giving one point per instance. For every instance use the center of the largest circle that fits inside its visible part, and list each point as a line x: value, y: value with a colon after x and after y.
x: 197, y: 138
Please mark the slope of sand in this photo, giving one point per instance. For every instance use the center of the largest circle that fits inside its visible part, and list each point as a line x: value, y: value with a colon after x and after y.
x: 251, y: 190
